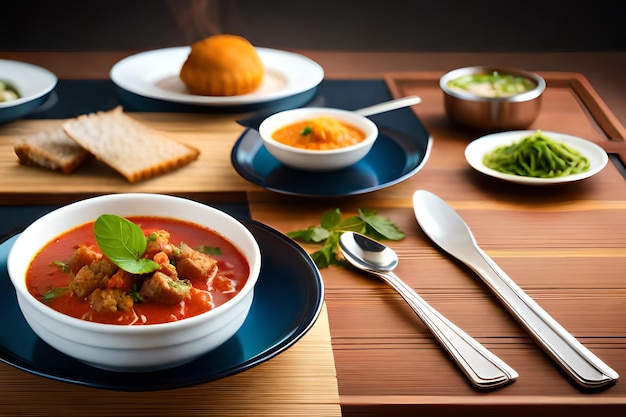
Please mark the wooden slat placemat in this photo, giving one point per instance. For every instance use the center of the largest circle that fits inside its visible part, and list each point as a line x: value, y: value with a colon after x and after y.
x: 299, y: 382
x: 565, y: 245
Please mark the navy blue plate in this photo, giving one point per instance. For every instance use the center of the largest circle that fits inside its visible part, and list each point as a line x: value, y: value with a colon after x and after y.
x: 288, y: 299
x: 395, y: 156
x: 35, y: 84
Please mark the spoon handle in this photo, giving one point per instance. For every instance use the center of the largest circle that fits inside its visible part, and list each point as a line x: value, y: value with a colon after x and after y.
x: 484, y: 369
x: 389, y: 105
x: 575, y: 359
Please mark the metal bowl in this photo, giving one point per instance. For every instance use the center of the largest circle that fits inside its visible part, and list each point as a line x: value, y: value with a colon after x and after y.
x: 492, y: 113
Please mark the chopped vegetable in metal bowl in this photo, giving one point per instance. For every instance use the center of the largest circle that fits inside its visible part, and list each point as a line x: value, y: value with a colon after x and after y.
x: 492, y: 85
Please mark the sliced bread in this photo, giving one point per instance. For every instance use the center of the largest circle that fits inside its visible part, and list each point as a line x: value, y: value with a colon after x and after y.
x: 51, y: 149
x: 133, y: 149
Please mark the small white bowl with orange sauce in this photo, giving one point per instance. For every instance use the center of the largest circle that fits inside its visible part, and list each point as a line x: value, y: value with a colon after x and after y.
x: 318, y: 138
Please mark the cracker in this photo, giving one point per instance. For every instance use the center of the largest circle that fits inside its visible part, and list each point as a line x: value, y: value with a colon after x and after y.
x: 51, y: 149
x: 133, y: 149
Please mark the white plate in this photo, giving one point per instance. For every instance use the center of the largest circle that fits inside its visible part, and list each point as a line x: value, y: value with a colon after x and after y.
x: 33, y: 83
x: 155, y: 74
x: 475, y: 151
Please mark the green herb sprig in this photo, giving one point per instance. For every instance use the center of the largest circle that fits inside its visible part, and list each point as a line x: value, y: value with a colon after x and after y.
x: 124, y: 243
x: 331, y: 226
x: 306, y: 130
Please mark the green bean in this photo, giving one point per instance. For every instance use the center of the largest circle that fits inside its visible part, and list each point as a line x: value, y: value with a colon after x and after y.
x: 536, y: 156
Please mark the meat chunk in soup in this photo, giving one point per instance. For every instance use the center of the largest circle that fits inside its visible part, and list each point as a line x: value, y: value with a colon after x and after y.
x: 83, y: 255
x: 195, y: 265
x: 122, y: 280
x: 222, y: 284
x: 92, y: 276
x: 164, y: 289
x: 156, y: 242
x: 110, y: 301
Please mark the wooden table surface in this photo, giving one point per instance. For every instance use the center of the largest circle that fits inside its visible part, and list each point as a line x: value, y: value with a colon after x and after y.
x: 564, y: 245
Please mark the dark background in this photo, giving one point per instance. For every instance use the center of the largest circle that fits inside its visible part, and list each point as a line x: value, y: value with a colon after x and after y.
x: 385, y: 25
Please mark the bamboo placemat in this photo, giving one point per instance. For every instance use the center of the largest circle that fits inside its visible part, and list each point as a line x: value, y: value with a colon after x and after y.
x: 299, y: 382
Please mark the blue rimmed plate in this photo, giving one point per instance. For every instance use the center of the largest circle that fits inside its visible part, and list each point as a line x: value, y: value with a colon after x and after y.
x: 34, y: 85
x: 288, y: 300
x: 395, y: 157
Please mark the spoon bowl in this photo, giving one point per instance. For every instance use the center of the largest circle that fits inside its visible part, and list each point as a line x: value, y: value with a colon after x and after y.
x: 484, y: 369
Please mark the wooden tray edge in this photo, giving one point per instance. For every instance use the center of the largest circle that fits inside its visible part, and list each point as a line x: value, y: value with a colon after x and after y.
x: 580, y: 85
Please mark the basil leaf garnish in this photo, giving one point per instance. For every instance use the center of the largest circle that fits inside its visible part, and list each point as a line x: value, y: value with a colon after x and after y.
x: 124, y: 243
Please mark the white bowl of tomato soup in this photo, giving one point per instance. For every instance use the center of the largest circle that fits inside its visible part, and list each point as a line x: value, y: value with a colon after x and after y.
x: 87, y: 288
x: 317, y: 138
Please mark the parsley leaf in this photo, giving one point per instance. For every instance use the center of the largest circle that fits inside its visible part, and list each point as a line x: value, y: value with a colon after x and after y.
x: 210, y: 250
x: 332, y: 226
x: 53, y: 293
x: 65, y: 268
x: 306, y: 130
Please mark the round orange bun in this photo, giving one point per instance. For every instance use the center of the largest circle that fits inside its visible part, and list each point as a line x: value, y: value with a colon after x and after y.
x: 222, y: 65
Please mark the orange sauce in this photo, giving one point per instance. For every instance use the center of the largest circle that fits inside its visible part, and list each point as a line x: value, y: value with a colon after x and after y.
x: 321, y: 133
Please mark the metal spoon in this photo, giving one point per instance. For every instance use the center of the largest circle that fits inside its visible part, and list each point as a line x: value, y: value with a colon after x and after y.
x: 484, y: 369
x: 389, y: 105
x: 448, y: 230
x: 398, y: 103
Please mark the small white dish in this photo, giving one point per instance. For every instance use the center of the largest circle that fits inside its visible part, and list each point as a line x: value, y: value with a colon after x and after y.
x: 33, y: 83
x: 313, y: 159
x: 155, y: 74
x: 476, y: 150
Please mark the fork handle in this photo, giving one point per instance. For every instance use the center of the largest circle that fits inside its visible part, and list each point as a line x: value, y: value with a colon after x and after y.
x: 576, y: 360
x: 483, y: 368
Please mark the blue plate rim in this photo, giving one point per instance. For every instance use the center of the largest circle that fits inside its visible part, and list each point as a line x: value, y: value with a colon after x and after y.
x: 15, y: 109
x: 154, y: 381
x: 250, y: 136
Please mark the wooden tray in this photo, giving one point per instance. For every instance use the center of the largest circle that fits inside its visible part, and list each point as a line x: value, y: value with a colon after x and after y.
x: 565, y: 245
x: 566, y: 95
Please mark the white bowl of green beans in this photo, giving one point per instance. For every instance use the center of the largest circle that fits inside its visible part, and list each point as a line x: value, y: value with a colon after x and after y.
x: 535, y: 157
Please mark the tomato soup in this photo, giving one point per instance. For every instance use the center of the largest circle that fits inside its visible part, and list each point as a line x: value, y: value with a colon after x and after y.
x: 321, y: 133
x: 52, y: 275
